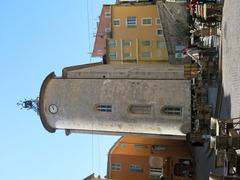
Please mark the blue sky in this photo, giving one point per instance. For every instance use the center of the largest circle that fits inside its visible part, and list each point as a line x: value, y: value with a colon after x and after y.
x: 36, y: 38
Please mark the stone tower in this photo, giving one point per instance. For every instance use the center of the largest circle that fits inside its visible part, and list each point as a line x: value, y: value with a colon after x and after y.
x: 118, y: 99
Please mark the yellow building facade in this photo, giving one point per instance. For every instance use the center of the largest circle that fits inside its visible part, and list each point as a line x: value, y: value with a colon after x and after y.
x: 133, y: 34
x: 136, y: 35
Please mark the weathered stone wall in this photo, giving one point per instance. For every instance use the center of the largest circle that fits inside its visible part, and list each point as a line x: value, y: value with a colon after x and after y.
x: 129, y: 71
x: 77, y: 99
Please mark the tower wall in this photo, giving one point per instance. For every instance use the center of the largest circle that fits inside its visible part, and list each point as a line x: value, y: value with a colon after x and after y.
x: 123, y: 105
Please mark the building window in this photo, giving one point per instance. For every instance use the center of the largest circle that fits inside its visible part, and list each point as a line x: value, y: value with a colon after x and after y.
x: 157, y: 21
x: 100, y: 51
x: 116, y: 167
x: 140, y: 109
x: 159, y: 32
x: 111, y: 43
x: 146, y: 55
x: 122, y: 145
x: 158, y: 147
x: 112, y: 55
x: 126, y: 43
x: 172, y: 110
x: 131, y: 21
x: 180, y: 1
x: 107, y: 30
x: 126, y: 55
x: 179, y: 55
x: 161, y: 44
x: 141, y: 146
x: 116, y: 22
x: 107, y: 14
x: 156, y: 173
x: 104, y: 108
x: 135, y: 168
x: 146, y: 43
x: 182, y: 170
x: 146, y: 21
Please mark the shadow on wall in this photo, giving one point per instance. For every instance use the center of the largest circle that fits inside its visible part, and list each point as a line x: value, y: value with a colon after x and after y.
x: 226, y: 107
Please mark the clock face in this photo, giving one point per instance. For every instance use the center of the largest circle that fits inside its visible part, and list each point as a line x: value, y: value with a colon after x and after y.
x: 53, y: 109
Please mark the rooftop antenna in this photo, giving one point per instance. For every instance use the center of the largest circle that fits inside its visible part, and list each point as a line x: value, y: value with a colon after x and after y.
x: 29, y: 104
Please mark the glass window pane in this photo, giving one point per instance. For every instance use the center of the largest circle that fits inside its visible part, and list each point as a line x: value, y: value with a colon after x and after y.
x: 156, y: 173
x: 161, y: 44
x: 116, y: 166
x: 126, y: 43
x: 146, y: 43
x: 146, y: 21
x: 107, y: 14
x: 111, y: 43
x: 141, y: 146
x: 146, y: 55
x: 158, y: 21
x: 135, y: 168
x: 159, y: 32
x: 127, y: 55
x: 116, y: 22
x: 131, y: 21
x: 104, y: 108
x: 107, y: 30
x: 171, y: 110
x: 112, y: 55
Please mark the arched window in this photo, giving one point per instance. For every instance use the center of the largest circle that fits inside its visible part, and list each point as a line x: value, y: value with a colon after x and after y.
x: 172, y: 110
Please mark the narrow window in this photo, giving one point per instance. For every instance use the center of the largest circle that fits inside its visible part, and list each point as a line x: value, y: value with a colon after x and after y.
x: 100, y: 51
x: 107, y: 30
x: 146, y: 55
x: 131, y: 21
x: 158, y: 147
x: 146, y: 21
x: 140, y: 109
x: 161, y: 44
x: 116, y: 22
x: 104, y: 108
x: 122, y: 145
x: 156, y: 173
x: 172, y: 110
x: 135, y: 168
x: 159, y: 32
x: 126, y: 43
x: 141, y: 146
x: 112, y: 43
x: 127, y: 55
x: 146, y: 43
x: 116, y: 167
x: 107, y: 14
x: 157, y: 21
x: 112, y: 55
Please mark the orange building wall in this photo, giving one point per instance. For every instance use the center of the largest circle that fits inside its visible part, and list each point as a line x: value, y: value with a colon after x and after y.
x: 125, y: 152
x: 126, y: 161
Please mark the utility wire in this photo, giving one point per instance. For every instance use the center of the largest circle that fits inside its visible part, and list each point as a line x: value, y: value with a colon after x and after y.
x: 89, y: 49
x: 92, y: 25
x: 88, y: 29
